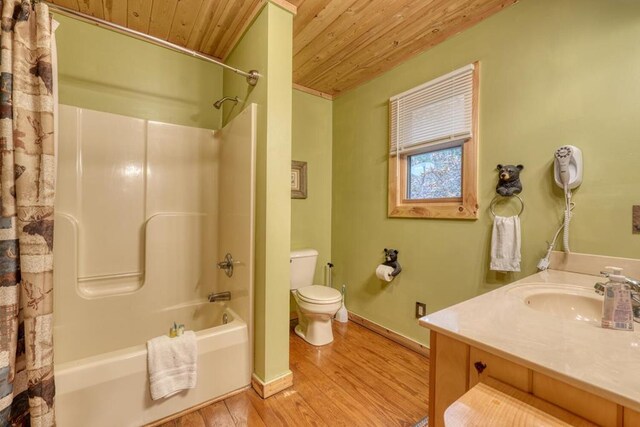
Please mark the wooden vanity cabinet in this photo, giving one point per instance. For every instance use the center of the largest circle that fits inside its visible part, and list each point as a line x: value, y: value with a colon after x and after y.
x: 455, y: 367
x: 631, y: 418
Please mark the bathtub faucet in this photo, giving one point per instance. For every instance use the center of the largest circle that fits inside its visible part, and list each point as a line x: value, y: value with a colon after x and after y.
x: 220, y: 296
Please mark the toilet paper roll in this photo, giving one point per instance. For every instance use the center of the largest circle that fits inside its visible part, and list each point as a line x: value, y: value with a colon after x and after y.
x: 383, y: 272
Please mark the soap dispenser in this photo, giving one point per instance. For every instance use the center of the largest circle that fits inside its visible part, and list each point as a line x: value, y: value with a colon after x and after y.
x: 617, y: 311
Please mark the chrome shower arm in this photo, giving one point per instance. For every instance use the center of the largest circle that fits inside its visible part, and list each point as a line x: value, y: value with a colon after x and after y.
x: 219, y: 102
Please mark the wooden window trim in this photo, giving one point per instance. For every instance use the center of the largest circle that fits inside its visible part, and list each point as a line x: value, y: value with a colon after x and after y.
x: 467, y: 207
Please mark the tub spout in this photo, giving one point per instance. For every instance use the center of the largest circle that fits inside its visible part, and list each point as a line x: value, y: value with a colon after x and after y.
x: 220, y: 296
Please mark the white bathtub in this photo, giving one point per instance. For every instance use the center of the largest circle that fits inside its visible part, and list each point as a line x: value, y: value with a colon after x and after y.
x: 112, y: 389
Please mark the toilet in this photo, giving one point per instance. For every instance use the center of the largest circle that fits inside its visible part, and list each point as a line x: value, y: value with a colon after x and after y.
x: 317, y: 304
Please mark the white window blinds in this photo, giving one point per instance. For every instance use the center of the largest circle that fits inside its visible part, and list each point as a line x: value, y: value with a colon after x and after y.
x: 437, y: 113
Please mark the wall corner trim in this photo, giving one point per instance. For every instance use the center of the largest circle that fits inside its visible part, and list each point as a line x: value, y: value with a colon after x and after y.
x: 289, y: 7
x: 272, y: 387
x: 314, y: 92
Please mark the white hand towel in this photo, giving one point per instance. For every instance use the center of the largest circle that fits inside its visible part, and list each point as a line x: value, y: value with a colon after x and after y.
x: 505, y: 244
x: 172, y: 364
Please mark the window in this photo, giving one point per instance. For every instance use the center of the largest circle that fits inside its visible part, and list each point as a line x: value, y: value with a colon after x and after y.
x: 433, y: 148
x: 435, y: 175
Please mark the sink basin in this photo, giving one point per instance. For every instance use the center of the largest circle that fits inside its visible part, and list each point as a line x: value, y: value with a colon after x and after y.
x: 566, y: 306
x: 567, y: 302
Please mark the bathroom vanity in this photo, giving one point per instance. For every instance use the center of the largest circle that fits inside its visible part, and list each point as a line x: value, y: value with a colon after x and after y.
x: 540, y: 335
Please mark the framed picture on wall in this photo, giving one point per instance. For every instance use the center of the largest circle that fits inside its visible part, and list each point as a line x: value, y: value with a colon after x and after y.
x: 298, y: 180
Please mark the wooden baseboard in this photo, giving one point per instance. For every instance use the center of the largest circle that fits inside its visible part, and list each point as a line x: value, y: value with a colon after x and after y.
x: 293, y: 319
x: 388, y: 333
x: 196, y: 407
x: 272, y: 387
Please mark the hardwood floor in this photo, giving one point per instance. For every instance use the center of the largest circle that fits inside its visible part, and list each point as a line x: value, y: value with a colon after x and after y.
x: 361, y: 379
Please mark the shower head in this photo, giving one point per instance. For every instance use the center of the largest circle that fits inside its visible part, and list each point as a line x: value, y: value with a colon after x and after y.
x: 219, y: 102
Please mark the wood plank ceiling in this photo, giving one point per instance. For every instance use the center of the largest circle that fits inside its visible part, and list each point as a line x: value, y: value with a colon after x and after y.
x: 337, y: 44
x: 212, y: 27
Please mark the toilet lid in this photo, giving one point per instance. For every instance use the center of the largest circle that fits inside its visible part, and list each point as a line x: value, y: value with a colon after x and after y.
x: 319, y: 294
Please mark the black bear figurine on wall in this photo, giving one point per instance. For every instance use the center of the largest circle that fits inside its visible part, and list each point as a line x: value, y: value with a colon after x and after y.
x: 509, y: 181
x: 391, y: 260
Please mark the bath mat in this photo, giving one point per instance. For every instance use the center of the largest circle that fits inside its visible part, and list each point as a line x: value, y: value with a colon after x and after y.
x: 423, y: 422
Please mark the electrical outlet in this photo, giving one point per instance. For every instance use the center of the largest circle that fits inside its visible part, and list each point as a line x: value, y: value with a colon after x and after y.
x: 421, y: 309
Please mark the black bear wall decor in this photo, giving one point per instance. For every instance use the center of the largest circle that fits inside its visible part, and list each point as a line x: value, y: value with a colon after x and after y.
x: 509, y: 180
x: 391, y: 260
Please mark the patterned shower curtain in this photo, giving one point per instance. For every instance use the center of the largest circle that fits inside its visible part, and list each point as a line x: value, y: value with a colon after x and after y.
x: 27, y: 185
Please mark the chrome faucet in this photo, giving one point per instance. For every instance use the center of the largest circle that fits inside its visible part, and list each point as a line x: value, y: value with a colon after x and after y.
x: 220, y: 296
x: 634, y: 285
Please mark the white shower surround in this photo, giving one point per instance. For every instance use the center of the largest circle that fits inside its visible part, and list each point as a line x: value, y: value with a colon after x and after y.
x: 198, y: 191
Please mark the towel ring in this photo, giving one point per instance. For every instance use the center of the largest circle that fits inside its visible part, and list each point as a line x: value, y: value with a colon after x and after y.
x: 499, y: 197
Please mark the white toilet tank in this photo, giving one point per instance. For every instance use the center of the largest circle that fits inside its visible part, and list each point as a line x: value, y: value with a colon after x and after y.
x: 303, y: 267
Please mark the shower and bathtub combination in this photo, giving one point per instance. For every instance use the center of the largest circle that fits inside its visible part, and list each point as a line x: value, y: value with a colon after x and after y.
x: 144, y: 213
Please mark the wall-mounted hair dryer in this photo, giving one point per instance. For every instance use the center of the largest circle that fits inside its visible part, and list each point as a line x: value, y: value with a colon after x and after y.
x: 567, y: 173
x: 568, y: 167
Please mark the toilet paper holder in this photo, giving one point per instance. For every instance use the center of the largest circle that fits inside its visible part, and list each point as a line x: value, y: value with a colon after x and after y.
x: 391, y: 260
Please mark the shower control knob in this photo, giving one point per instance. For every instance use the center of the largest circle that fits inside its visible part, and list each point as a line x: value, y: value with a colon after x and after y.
x: 227, y: 264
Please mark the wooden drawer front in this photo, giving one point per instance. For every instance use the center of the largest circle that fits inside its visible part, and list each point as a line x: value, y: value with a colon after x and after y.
x: 631, y: 418
x: 582, y: 403
x: 497, y: 368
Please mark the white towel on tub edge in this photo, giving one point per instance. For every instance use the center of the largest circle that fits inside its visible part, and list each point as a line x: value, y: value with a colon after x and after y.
x: 172, y: 364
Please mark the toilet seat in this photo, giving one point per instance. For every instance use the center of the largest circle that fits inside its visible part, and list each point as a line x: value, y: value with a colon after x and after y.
x: 317, y: 294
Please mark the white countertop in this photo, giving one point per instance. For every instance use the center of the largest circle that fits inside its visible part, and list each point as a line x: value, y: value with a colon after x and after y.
x: 603, y: 361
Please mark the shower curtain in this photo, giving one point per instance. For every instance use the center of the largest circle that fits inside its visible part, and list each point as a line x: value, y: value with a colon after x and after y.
x: 27, y: 185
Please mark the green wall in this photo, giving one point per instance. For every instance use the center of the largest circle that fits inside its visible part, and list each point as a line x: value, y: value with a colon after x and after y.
x: 105, y: 71
x: 553, y: 72
x: 311, y: 217
x: 267, y: 47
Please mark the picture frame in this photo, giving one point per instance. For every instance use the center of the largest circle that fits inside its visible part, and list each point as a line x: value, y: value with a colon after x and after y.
x: 298, y: 179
